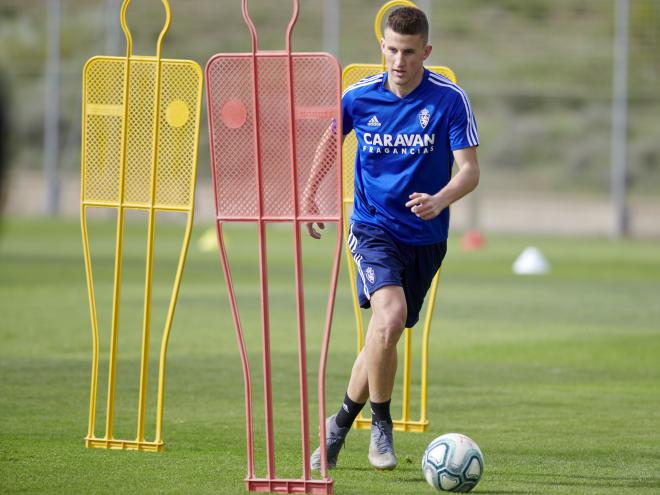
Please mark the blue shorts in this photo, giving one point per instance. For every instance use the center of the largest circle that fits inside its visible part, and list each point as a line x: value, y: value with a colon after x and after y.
x: 383, y: 261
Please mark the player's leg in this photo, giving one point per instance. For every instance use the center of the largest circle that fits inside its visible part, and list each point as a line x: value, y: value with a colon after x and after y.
x: 387, y: 323
x: 358, y: 385
x: 393, y: 309
x: 388, y: 318
x: 385, y: 328
x: 338, y: 425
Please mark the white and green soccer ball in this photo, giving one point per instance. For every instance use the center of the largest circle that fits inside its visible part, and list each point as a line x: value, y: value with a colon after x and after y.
x: 453, y: 463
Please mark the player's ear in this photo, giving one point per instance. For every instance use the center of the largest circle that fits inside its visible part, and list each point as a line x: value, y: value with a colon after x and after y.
x: 382, y: 45
x: 427, y: 51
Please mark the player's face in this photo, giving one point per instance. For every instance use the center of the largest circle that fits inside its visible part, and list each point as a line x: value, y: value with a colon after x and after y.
x: 404, y: 58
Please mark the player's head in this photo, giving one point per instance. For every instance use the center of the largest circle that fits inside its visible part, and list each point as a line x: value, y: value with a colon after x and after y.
x: 410, y: 21
x: 405, y: 45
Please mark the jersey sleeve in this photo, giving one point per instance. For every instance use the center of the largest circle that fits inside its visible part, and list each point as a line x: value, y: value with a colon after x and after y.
x: 347, y: 114
x: 462, y: 124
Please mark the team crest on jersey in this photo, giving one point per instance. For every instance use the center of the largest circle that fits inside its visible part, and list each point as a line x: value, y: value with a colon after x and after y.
x: 424, y: 117
x: 370, y: 274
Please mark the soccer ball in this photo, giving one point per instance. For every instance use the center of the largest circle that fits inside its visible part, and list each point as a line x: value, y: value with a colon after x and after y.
x: 453, y: 463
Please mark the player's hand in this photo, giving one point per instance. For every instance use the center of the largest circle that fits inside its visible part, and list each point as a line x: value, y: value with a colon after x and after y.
x: 311, y: 208
x: 424, y: 205
x: 312, y: 231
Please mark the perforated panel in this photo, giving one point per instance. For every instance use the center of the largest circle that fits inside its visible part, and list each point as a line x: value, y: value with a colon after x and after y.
x: 231, y: 113
x: 352, y: 74
x: 317, y: 106
x: 234, y: 132
x: 103, y: 98
x: 275, y: 135
x: 181, y: 84
x: 140, y: 149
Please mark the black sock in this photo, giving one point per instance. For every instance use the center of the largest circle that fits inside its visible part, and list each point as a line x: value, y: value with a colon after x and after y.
x: 380, y: 411
x: 348, y: 411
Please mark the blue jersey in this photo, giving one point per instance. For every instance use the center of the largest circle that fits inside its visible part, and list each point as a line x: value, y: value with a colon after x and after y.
x: 405, y: 145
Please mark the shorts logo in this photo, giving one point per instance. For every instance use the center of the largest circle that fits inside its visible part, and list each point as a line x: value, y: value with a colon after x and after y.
x: 370, y: 274
x: 424, y: 117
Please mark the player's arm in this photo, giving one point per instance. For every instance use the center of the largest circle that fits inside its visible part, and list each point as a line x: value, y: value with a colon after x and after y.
x: 324, y: 159
x: 427, y: 206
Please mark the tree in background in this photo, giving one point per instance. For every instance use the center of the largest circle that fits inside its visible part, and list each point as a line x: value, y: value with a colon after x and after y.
x: 4, y: 135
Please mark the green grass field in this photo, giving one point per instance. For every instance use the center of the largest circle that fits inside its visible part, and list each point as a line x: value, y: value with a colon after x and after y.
x: 557, y: 377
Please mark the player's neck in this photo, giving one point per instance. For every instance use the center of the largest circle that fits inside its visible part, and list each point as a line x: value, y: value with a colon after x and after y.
x: 402, y: 90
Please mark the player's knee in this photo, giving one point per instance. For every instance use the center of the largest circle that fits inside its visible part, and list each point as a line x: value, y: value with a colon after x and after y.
x: 388, y: 329
x: 386, y: 337
x: 395, y: 318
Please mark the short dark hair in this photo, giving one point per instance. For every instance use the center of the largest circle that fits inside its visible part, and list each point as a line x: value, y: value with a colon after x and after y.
x: 409, y: 20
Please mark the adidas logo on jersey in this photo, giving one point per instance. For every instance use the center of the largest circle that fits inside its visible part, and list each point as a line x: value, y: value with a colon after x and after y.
x: 373, y: 122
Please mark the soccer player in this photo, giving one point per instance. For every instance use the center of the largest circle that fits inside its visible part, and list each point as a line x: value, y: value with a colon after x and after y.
x: 411, y: 125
